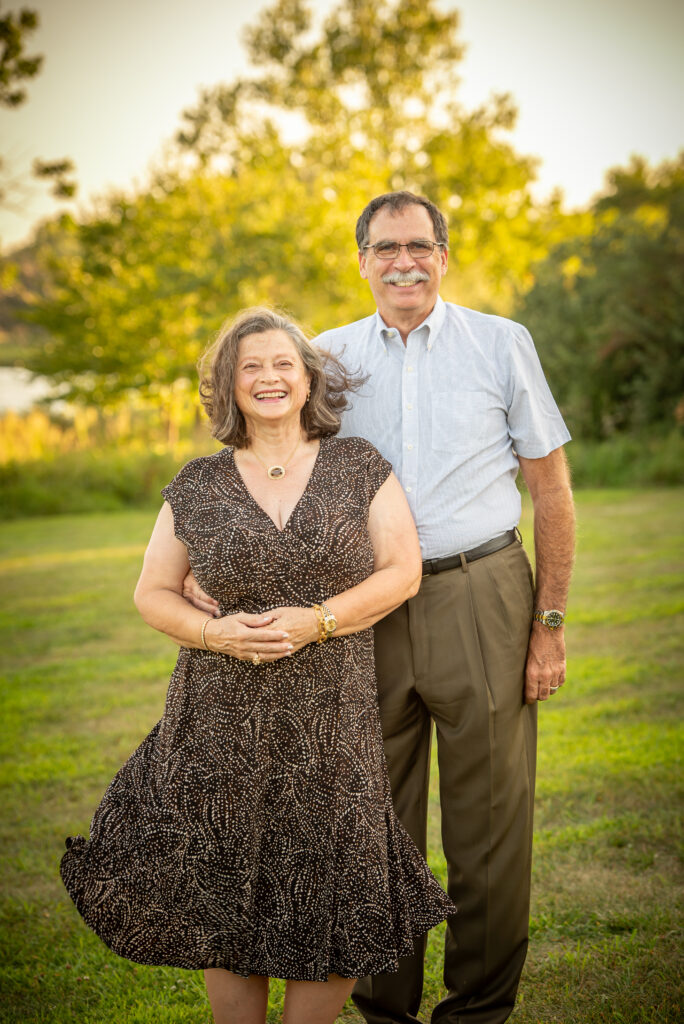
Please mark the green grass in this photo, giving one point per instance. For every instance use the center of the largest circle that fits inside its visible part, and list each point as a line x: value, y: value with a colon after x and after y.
x: 84, y: 680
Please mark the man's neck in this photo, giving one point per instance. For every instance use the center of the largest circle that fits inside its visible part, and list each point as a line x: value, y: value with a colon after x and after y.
x: 405, y: 322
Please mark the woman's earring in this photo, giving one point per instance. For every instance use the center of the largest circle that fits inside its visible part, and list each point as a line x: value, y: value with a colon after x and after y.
x: 308, y: 394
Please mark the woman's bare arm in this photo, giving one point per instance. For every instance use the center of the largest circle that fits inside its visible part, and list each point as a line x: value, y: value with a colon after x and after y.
x: 158, y: 598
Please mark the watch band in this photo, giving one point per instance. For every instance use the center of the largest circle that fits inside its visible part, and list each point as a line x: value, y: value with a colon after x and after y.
x: 552, y: 618
x: 327, y: 623
x: 329, y: 615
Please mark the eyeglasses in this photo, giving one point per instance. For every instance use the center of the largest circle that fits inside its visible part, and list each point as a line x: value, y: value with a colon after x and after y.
x: 419, y: 249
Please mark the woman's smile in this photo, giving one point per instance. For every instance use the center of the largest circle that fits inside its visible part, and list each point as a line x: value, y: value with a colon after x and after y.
x: 270, y: 375
x: 272, y: 395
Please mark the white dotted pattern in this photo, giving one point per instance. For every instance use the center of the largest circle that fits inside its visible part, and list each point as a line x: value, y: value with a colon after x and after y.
x: 253, y: 828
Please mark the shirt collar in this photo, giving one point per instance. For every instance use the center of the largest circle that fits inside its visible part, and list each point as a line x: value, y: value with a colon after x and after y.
x: 433, y: 321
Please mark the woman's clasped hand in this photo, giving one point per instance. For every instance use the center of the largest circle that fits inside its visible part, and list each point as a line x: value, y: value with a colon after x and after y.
x: 274, y: 635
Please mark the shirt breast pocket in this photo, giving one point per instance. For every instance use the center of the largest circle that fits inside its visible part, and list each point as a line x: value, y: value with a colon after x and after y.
x: 461, y: 420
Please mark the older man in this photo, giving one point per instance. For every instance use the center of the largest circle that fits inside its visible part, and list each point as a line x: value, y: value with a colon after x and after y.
x: 458, y: 403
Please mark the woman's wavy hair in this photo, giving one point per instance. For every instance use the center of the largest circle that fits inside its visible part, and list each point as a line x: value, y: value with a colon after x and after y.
x: 330, y: 381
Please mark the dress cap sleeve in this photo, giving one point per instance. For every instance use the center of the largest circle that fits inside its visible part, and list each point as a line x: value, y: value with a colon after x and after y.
x: 371, y: 468
x: 378, y: 471
x: 182, y: 494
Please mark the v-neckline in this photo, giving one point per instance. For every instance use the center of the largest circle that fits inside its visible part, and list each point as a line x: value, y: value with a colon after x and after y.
x: 263, y: 511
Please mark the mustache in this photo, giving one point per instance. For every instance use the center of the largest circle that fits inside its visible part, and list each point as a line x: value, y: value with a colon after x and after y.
x: 410, y: 277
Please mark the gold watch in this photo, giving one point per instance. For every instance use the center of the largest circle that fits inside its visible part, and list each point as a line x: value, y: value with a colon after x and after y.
x: 552, y: 619
x: 329, y: 620
x: 327, y: 623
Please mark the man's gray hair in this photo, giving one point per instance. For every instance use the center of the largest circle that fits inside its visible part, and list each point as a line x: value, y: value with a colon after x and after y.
x: 398, y: 201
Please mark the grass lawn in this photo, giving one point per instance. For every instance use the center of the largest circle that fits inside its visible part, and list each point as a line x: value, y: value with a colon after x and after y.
x: 84, y: 680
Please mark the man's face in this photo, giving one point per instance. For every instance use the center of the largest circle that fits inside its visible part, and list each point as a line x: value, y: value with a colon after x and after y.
x: 404, y: 285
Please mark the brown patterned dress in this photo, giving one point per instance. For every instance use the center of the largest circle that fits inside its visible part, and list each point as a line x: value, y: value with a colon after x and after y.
x: 253, y: 828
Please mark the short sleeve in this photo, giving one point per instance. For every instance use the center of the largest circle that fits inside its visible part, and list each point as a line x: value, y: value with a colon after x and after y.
x: 182, y: 493
x: 535, y: 424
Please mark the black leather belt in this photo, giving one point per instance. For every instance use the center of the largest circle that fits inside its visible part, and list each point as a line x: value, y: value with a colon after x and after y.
x: 433, y: 565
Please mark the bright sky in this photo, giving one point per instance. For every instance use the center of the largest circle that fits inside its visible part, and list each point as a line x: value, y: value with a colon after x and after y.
x: 595, y: 81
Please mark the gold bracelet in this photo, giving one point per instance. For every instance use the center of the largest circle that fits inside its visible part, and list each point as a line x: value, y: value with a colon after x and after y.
x: 204, y: 626
x: 320, y: 615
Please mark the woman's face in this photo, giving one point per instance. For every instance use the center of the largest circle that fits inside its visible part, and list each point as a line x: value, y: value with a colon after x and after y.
x: 271, y: 382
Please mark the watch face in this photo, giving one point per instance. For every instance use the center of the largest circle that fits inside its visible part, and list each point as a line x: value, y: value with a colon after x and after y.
x: 330, y: 623
x: 553, y: 619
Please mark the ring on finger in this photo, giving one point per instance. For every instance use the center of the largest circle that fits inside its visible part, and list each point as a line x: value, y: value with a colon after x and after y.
x: 256, y: 658
x: 554, y: 688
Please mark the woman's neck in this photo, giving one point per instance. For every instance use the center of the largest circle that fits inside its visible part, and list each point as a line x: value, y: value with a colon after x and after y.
x: 275, y: 439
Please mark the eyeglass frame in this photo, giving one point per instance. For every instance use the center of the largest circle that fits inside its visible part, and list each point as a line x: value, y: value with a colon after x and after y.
x: 405, y: 245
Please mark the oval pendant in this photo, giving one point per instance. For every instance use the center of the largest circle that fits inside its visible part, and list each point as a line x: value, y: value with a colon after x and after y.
x: 275, y: 472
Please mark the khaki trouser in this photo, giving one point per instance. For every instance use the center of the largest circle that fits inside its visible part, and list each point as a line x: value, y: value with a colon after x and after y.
x: 455, y: 655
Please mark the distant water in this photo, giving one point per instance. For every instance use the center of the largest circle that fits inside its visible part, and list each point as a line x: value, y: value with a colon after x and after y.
x: 19, y: 390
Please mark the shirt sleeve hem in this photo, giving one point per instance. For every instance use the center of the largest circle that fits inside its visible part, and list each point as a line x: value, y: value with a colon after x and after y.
x: 540, y: 451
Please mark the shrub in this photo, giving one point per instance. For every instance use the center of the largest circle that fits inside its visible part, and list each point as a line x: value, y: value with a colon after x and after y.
x: 628, y: 461
x: 85, y: 481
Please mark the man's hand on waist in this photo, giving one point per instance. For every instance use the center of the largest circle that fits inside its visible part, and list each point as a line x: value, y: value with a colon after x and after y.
x: 193, y: 593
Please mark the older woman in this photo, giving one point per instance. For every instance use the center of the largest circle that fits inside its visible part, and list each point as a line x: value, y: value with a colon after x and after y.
x: 252, y: 833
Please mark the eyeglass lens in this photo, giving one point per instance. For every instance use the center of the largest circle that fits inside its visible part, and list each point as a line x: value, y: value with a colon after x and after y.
x: 419, y: 248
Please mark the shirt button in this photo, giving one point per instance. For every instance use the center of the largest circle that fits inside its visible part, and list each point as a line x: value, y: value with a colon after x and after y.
x: 409, y: 369
x: 409, y: 405
x: 410, y: 447
x: 408, y: 490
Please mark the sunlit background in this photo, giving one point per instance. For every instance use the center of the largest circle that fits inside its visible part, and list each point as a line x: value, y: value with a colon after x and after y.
x: 220, y: 155
x: 594, y: 81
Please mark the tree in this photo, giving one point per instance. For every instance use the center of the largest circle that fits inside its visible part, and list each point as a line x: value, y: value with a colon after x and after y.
x: 16, y: 68
x: 137, y: 289
x: 131, y: 297
x: 377, y: 88
x: 607, y: 307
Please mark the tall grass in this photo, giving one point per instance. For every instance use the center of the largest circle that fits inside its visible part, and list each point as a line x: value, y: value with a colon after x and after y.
x: 51, y: 430
x: 90, y: 461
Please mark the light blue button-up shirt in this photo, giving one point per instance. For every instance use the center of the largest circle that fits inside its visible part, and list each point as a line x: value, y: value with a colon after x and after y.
x: 449, y: 410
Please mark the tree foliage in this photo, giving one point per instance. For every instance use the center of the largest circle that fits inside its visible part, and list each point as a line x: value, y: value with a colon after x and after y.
x: 376, y: 88
x: 258, y: 200
x: 15, y: 69
x: 15, y: 66
x: 132, y: 297
x: 245, y: 212
x: 607, y: 307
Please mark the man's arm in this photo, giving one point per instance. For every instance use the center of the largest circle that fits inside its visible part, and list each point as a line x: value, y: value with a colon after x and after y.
x: 548, y: 481
x: 198, y: 598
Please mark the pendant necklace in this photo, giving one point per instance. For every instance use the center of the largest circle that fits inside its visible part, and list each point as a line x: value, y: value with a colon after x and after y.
x: 278, y: 472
